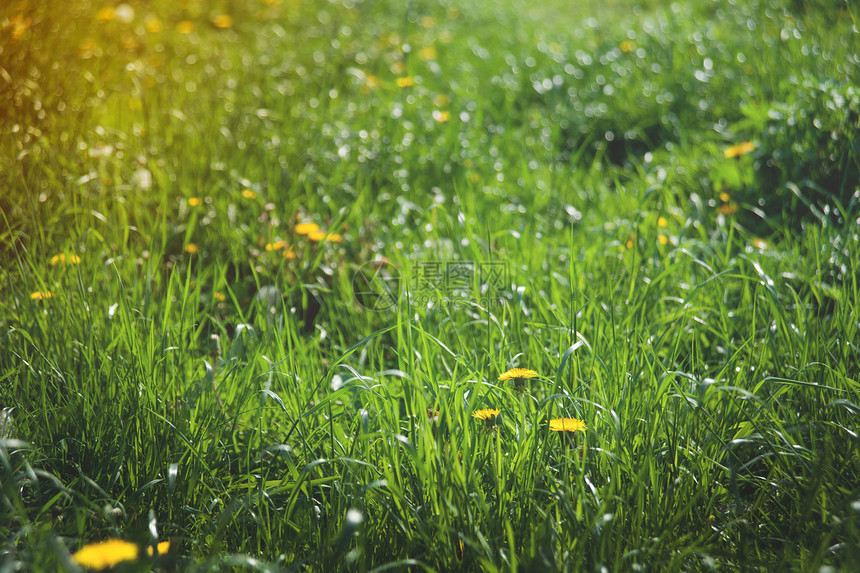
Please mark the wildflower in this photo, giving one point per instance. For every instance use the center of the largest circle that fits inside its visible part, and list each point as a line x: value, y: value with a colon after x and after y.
x: 192, y: 249
x: 62, y: 259
x: 306, y: 228
x: 740, y: 149
x: 162, y: 547
x: 405, y: 82
x: 316, y: 235
x: 289, y: 255
x: 441, y: 100
x: 662, y: 239
x: 518, y: 376
x: 106, y: 14
x: 19, y: 25
x: 627, y: 46
x: 220, y: 297
x: 727, y: 209
x: 760, y: 244
x: 427, y: 54
x: 106, y: 554
x: 41, y: 295
x: 248, y: 194
x: 277, y: 246
x: 441, y: 116
x: 185, y: 27
x: 567, y: 425
x: 629, y: 244
x: 397, y: 67
x: 153, y: 25
x: 223, y: 21
x: 124, y: 13
x: 195, y: 201
x: 371, y: 81
x: 725, y: 197
x: 661, y: 221
x: 489, y: 417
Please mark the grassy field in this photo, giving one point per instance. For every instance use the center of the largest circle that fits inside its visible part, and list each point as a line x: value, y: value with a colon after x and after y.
x: 264, y: 263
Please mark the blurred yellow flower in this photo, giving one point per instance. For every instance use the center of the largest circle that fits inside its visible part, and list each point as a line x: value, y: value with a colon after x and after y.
x: 248, y: 194
x: 405, y: 82
x: 306, y: 228
x: 153, y: 25
x: 316, y: 235
x: 727, y: 209
x: 662, y: 239
x: 277, y: 246
x: 661, y: 221
x: 223, y: 21
x: 41, y: 295
x: 427, y: 54
x: 106, y: 14
x: 371, y: 81
x: 760, y: 244
x: 289, y: 255
x: 427, y: 22
x: 164, y: 546
x: 397, y: 67
x: 106, y: 554
x: 441, y: 100
x: 725, y: 197
x: 740, y: 149
x: 627, y: 46
x: 62, y: 259
x: 195, y: 201
x: 192, y: 249
x: 185, y: 27
x: 220, y: 297
x: 629, y: 244
x: 567, y: 425
x: 474, y: 177
x: 441, y: 116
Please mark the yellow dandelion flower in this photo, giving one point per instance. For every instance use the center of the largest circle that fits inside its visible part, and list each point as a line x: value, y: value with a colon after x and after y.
x: 306, y: 228
x: 316, y: 235
x: 441, y: 116
x: 164, y: 546
x: 371, y: 81
x: 106, y: 554
x: 63, y: 260
x: 220, y: 297
x: 223, y: 21
x: 627, y: 46
x: 567, y: 425
x: 248, y: 194
x: 427, y: 54
x: 517, y: 374
x: 106, y: 14
x: 153, y: 25
x: 727, y: 209
x: 289, y: 255
x: 335, y: 238
x: 489, y: 416
x: 41, y: 295
x: 629, y: 244
x: 192, y: 249
x: 486, y: 414
x: 662, y: 239
x: 405, y: 82
x: 740, y: 149
x: 725, y: 197
x: 276, y: 246
x: 661, y: 221
x: 195, y: 201
x: 185, y: 27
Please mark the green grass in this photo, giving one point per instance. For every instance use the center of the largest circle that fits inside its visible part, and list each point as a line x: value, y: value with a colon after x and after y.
x: 698, y: 312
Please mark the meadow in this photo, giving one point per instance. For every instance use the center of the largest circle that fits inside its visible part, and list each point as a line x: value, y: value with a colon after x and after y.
x: 368, y: 285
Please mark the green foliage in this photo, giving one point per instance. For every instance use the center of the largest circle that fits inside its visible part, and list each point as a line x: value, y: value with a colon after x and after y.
x: 670, y: 194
